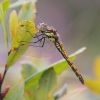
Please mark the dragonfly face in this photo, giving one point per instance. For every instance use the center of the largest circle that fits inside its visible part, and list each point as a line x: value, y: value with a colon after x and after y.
x: 42, y: 27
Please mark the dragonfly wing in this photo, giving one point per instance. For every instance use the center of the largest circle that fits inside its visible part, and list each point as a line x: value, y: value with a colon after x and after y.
x: 40, y: 47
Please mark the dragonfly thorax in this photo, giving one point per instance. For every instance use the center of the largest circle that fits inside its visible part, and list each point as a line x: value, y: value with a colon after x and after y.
x: 49, y: 32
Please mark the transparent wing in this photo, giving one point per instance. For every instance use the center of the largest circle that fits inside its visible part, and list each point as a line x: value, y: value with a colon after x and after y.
x: 40, y: 47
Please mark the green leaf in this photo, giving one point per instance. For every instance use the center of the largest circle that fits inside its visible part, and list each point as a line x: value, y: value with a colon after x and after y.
x: 16, y: 92
x: 3, y: 9
x: 13, y: 24
x: 5, y: 5
x: 21, y: 2
x: 45, y: 88
x: 29, y: 93
x: 47, y: 85
x: 28, y: 69
x: 27, y: 12
x: 4, y: 24
x: 18, y: 48
x: 59, y: 67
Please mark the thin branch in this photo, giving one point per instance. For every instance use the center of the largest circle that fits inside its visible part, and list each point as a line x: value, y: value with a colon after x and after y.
x: 1, y: 82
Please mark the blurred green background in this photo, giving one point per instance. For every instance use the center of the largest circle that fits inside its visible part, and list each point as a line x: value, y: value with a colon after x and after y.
x: 78, y: 24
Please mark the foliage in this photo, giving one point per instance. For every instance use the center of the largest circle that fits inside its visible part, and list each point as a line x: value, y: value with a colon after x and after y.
x: 16, y: 93
x: 3, y: 9
x: 23, y: 33
x: 37, y: 84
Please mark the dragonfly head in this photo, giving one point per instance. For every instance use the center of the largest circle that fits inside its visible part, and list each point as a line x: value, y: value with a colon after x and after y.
x: 42, y: 27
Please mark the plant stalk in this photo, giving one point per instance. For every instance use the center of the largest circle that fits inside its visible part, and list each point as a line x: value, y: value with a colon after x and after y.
x: 1, y: 82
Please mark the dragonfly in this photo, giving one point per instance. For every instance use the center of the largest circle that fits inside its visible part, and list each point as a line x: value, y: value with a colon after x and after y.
x: 50, y: 33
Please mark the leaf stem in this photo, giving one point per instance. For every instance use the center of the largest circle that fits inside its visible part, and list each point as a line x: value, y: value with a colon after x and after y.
x: 5, y: 71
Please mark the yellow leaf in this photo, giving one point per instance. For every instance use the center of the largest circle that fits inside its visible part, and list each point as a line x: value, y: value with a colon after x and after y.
x: 13, y: 24
x: 93, y: 84
x: 24, y: 32
x: 97, y: 67
x: 49, y: 95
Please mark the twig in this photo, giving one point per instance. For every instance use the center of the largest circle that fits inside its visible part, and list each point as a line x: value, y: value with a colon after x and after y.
x: 2, y: 82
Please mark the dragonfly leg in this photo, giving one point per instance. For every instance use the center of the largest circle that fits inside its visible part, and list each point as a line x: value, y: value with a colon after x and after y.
x: 43, y: 38
x: 35, y: 41
x: 38, y: 35
x: 40, y: 45
x: 43, y: 42
x: 35, y: 34
x: 39, y: 40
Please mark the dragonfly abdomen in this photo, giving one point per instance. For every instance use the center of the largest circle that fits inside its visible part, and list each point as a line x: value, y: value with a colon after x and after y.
x: 61, y: 49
